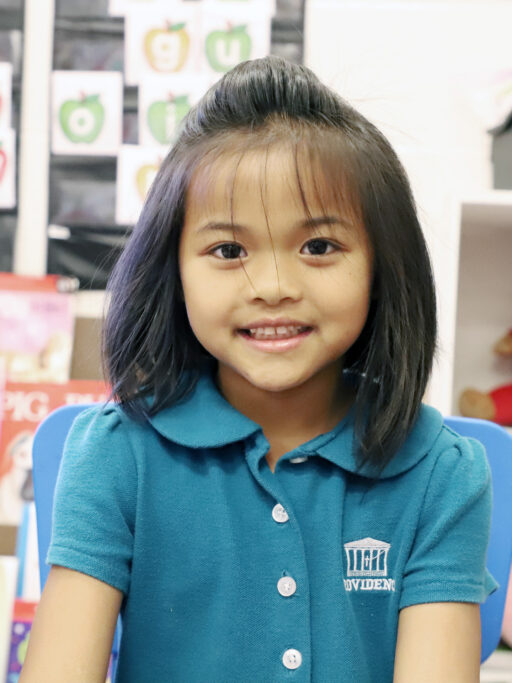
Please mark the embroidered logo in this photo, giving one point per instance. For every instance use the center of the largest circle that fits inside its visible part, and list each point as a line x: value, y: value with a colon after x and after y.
x: 367, y: 558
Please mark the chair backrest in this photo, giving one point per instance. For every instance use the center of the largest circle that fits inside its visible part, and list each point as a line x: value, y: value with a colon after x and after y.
x: 498, y: 446
x: 46, y: 456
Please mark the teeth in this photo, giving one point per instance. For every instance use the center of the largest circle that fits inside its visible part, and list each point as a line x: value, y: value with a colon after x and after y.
x: 281, y: 332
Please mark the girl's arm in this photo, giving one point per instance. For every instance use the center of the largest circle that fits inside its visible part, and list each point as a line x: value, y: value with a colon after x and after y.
x: 73, y: 630
x: 438, y: 642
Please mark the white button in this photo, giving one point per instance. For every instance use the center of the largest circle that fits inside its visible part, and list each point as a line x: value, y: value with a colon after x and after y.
x: 292, y: 659
x: 301, y: 459
x: 279, y: 513
x: 286, y: 586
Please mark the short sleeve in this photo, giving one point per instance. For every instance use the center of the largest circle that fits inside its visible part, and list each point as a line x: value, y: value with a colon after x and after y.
x: 95, y: 499
x: 447, y: 562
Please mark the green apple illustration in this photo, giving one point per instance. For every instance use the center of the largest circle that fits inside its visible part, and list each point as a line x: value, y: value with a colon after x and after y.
x: 82, y: 120
x: 226, y: 49
x: 163, y: 117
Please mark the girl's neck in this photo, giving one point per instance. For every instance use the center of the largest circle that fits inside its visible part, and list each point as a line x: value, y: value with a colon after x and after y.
x: 293, y: 416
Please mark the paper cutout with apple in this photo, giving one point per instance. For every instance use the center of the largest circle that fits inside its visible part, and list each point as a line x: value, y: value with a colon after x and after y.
x: 166, y: 49
x: 7, y: 168
x: 81, y: 120
x: 5, y: 94
x: 164, y: 116
x: 144, y: 176
x: 3, y: 161
x: 225, y: 49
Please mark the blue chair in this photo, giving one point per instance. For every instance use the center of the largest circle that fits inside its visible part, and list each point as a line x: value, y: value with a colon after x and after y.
x: 498, y: 445
x: 46, y: 455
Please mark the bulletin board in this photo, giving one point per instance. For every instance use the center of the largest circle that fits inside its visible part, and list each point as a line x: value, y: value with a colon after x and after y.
x: 11, y: 51
x: 125, y: 72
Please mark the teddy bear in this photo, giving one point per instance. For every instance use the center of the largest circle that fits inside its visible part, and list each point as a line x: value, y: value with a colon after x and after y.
x: 496, y: 404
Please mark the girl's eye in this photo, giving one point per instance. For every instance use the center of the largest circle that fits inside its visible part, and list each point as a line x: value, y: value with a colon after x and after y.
x: 229, y: 251
x: 318, y: 247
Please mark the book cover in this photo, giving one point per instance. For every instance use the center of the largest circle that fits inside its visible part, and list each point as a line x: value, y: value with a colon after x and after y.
x: 8, y: 577
x: 25, y: 405
x: 36, y: 327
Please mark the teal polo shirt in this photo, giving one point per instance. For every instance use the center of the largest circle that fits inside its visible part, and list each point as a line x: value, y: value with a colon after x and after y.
x: 233, y: 573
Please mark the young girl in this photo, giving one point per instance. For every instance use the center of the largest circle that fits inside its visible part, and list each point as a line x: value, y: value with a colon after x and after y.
x: 267, y: 498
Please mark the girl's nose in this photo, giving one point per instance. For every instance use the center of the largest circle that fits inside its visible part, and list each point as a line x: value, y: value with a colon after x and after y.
x: 272, y: 282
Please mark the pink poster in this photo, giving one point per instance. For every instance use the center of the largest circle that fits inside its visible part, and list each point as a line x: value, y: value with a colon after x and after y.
x: 36, y: 328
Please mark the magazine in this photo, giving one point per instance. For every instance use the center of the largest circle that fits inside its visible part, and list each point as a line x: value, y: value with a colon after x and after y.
x: 36, y: 327
x: 25, y: 405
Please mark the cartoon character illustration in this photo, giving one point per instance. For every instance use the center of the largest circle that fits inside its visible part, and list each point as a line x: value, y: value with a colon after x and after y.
x: 16, y: 483
x: 48, y: 365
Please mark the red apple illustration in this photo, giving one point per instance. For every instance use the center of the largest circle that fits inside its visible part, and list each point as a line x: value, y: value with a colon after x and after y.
x: 3, y: 162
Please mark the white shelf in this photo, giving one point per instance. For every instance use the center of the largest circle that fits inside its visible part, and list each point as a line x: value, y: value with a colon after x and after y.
x: 491, y: 209
x: 89, y: 303
x: 484, y: 292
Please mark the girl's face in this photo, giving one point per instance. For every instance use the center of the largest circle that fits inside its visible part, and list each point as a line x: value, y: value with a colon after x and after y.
x: 318, y: 276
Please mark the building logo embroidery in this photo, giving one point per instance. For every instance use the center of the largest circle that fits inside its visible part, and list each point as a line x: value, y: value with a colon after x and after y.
x: 367, y: 560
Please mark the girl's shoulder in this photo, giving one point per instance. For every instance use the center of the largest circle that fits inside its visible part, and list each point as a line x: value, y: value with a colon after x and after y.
x: 452, y: 454
x: 105, y: 424
x: 99, y: 419
x: 432, y: 444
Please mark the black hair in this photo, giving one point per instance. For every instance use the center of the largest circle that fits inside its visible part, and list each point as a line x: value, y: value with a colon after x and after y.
x: 148, y: 346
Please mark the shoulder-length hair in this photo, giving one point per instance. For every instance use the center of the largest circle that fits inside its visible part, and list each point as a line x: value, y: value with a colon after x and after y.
x: 148, y: 347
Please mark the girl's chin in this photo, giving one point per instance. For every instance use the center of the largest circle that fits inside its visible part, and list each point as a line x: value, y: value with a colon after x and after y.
x: 274, y: 384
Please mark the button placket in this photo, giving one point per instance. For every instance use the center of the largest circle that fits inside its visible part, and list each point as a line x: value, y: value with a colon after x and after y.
x: 291, y: 657
x: 287, y: 586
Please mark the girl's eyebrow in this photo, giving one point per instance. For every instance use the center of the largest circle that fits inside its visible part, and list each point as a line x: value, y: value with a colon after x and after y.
x: 307, y: 224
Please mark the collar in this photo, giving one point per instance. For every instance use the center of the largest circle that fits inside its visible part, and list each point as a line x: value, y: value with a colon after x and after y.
x: 205, y: 419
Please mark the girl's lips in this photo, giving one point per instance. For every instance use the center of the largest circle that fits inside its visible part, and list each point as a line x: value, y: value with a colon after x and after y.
x: 274, y: 345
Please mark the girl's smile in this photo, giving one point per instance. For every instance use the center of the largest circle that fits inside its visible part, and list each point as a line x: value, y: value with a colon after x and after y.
x: 275, y: 339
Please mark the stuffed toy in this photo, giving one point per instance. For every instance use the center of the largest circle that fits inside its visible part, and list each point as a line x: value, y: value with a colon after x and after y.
x: 494, y: 405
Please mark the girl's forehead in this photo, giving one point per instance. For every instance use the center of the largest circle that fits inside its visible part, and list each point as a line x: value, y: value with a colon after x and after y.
x: 270, y: 177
